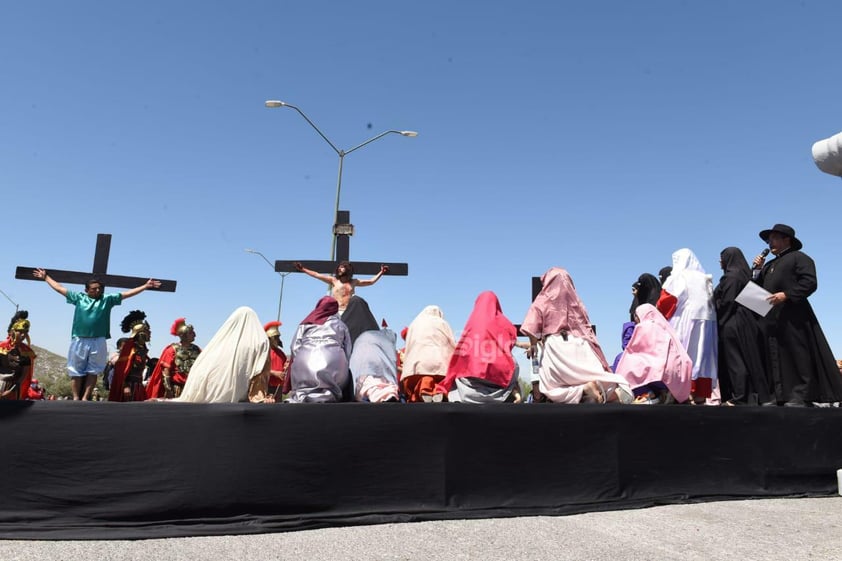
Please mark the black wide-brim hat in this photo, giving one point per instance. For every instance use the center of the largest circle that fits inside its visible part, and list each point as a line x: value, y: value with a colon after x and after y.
x: 785, y: 230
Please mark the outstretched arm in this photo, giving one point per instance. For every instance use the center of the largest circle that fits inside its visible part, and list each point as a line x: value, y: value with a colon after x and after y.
x: 324, y: 278
x: 137, y: 290
x: 55, y: 285
x: 368, y: 282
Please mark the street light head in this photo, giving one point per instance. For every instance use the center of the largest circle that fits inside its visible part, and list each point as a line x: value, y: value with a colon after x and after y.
x: 275, y: 103
x: 409, y: 133
x: 249, y: 250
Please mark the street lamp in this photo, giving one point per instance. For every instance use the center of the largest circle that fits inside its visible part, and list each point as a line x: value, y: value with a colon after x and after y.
x: 10, y: 300
x: 272, y: 103
x: 283, y: 278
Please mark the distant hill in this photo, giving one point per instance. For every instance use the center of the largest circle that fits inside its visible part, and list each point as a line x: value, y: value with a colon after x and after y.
x: 48, y: 365
x: 51, y: 372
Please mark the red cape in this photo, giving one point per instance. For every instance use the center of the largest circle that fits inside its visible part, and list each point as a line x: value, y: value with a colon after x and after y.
x: 277, y: 361
x: 155, y: 385
x: 128, y: 357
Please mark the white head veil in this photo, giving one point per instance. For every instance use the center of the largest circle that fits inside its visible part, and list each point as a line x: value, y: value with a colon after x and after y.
x: 236, y: 353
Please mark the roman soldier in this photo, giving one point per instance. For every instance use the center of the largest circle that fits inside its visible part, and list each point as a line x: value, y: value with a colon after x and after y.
x: 16, y: 359
x: 277, y: 357
x: 127, y: 383
x: 174, y: 366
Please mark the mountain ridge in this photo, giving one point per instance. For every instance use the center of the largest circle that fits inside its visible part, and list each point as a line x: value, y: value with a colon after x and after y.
x: 51, y: 371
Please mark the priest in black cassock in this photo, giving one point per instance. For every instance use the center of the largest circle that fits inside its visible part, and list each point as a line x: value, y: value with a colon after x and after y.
x: 799, y: 358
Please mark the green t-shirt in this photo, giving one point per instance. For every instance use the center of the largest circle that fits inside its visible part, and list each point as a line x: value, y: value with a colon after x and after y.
x: 92, y: 318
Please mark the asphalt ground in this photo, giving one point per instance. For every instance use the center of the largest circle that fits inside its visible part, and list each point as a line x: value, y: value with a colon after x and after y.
x: 762, y: 529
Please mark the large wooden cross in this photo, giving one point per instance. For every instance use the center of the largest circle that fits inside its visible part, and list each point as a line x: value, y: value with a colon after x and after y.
x: 100, y: 271
x: 536, y: 289
x: 343, y: 229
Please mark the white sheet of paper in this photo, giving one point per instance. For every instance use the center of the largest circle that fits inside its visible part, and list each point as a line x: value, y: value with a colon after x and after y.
x: 753, y: 297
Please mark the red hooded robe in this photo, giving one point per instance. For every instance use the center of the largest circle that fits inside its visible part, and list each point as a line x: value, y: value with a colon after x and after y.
x: 485, y: 348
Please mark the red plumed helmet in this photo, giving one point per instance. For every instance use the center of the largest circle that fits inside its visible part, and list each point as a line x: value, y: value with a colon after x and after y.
x: 271, y: 328
x: 176, y: 324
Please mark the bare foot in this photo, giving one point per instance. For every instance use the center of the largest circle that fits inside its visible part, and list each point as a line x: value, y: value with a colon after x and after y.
x: 593, y: 393
x: 695, y: 400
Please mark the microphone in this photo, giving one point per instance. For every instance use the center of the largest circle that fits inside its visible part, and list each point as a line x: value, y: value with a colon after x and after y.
x: 756, y: 268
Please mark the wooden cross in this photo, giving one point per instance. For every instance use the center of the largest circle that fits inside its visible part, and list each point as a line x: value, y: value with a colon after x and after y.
x: 344, y: 230
x: 103, y: 248
x: 536, y: 289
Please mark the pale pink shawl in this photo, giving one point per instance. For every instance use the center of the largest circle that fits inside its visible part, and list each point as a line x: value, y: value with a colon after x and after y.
x: 558, y: 308
x: 655, y: 354
x: 429, y: 344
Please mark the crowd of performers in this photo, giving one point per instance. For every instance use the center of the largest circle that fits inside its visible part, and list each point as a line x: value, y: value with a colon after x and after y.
x: 686, y: 341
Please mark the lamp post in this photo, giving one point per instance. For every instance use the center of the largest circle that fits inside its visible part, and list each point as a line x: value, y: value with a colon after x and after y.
x: 10, y: 300
x: 272, y: 103
x: 283, y: 278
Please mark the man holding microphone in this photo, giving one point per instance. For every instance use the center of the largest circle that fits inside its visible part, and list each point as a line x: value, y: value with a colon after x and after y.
x: 798, y: 356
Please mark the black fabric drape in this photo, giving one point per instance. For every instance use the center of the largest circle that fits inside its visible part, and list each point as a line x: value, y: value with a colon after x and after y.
x: 154, y: 470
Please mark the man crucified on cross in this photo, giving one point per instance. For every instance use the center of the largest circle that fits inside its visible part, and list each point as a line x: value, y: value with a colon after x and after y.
x: 342, y: 282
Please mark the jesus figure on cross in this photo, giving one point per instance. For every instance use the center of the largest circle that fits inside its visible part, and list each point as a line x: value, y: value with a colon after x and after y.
x: 342, y: 282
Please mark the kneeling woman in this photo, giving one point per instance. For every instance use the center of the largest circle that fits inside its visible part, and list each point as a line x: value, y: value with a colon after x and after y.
x: 429, y: 347
x: 373, y: 367
x: 234, y: 367
x: 573, y: 367
x: 482, y: 368
x: 320, y: 350
x: 655, y: 359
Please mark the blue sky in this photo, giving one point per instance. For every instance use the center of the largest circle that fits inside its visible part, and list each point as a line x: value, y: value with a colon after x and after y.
x: 595, y: 136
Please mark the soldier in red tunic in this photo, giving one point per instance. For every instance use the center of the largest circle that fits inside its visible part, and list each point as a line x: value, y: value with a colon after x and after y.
x: 16, y: 359
x: 174, y: 366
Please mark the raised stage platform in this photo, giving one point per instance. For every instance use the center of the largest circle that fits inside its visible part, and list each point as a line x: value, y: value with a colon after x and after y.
x: 153, y: 470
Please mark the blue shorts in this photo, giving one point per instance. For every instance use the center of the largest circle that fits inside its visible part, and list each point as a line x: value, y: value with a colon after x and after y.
x: 87, y: 356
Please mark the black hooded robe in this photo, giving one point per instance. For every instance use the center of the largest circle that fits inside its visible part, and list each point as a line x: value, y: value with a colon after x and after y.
x: 742, y: 370
x: 799, y: 357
